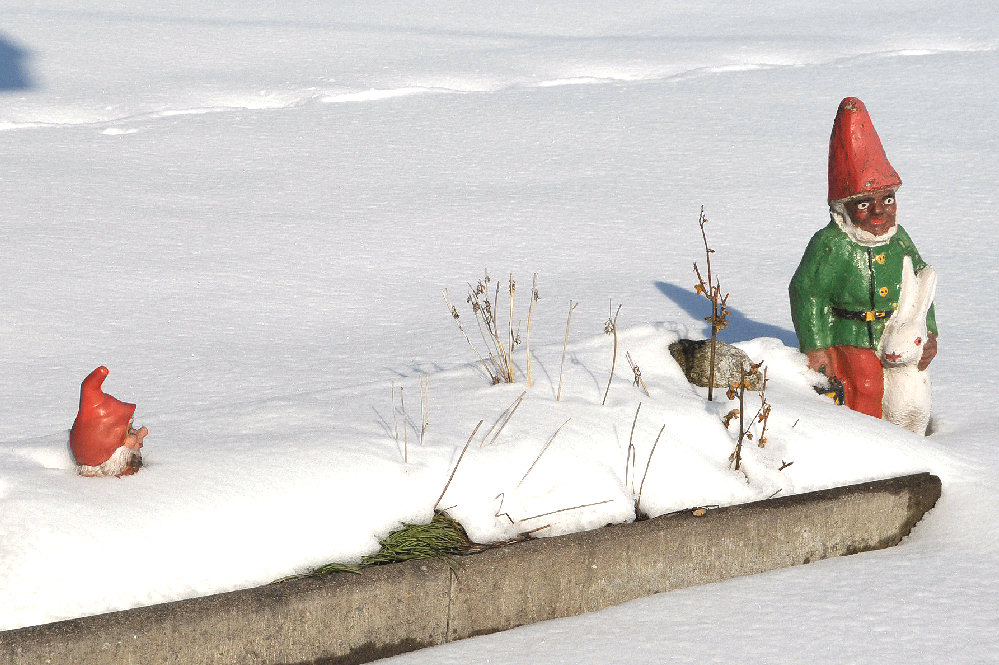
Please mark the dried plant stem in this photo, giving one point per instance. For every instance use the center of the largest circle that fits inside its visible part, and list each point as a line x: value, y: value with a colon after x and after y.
x: 611, y: 329
x: 737, y: 455
x: 629, y: 460
x: 424, y: 406
x: 527, y: 337
x: 714, y: 345
x: 489, y: 338
x: 763, y: 415
x: 502, y: 497
x: 719, y: 312
x: 548, y: 443
x: 502, y: 420
x: 641, y: 486
x: 395, y: 417
x: 563, y: 510
x: 405, y: 428
x: 485, y: 308
x: 507, y: 419
x: 455, y: 469
x: 508, y: 359
x: 639, y: 381
x: 565, y: 344
x: 702, y: 220
x: 457, y: 318
x: 502, y: 353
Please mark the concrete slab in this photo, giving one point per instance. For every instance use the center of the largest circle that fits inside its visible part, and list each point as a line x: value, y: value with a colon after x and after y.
x: 556, y: 577
x: 386, y: 610
x: 344, y: 618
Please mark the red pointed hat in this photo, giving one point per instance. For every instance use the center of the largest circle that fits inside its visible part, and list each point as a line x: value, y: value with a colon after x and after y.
x: 857, y: 161
x: 101, y: 423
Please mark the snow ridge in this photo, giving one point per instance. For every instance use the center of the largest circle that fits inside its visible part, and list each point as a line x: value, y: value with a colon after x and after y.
x: 590, y: 74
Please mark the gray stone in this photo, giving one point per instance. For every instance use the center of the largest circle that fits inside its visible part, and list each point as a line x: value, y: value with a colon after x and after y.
x: 385, y: 610
x: 694, y: 358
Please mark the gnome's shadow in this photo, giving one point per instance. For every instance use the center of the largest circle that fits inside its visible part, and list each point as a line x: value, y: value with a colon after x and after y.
x: 13, y: 66
x: 740, y: 327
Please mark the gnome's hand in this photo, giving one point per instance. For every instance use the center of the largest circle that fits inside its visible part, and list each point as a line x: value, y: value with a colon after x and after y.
x: 929, y: 351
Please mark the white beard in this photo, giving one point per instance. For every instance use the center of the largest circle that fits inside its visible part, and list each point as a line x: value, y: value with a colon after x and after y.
x: 837, y: 211
x: 115, y: 465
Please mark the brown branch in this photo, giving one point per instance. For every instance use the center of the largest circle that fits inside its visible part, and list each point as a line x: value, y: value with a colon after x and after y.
x: 527, y: 338
x: 630, y: 458
x: 610, y: 328
x: 548, y: 443
x: 565, y: 343
x: 451, y: 477
x: 652, y: 452
x: 563, y: 510
x: 638, y: 373
x: 505, y: 417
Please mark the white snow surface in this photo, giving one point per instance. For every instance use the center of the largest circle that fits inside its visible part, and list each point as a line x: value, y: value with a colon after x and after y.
x: 248, y: 211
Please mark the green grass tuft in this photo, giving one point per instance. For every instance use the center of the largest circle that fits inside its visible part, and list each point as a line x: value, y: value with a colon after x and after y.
x: 330, y: 568
x: 442, y: 538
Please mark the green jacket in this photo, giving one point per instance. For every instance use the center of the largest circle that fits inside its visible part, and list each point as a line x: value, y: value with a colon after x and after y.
x: 837, y: 273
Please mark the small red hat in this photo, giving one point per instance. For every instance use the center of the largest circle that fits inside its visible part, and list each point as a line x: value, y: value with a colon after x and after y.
x: 857, y: 161
x: 101, y: 424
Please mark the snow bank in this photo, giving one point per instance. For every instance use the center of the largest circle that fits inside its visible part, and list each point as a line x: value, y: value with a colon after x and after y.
x: 272, y: 497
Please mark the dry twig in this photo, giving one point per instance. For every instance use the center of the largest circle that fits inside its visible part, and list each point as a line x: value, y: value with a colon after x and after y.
x: 527, y: 335
x: 638, y: 373
x: 719, y: 311
x: 504, y: 417
x: 563, y: 510
x: 424, y: 406
x: 543, y: 449
x: 502, y: 497
x: 451, y: 477
x: 565, y: 343
x: 629, y: 461
x: 610, y: 328
x: 395, y: 417
x: 498, y: 359
x: 738, y: 390
x: 405, y: 427
x: 641, y: 486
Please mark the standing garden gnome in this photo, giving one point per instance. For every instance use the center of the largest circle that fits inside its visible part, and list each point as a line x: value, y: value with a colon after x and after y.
x: 848, y: 285
x: 103, y: 440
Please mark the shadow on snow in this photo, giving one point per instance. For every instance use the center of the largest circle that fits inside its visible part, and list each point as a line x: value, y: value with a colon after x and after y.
x: 13, y: 66
x: 740, y: 327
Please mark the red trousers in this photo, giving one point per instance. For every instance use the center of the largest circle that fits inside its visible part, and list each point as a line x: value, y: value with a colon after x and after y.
x: 863, y: 380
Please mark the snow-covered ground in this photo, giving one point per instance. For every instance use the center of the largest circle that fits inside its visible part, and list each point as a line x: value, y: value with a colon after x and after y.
x: 248, y: 212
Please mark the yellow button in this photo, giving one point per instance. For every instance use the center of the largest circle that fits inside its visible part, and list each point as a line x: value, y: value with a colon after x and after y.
x: 880, y: 258
x: 883, y: 291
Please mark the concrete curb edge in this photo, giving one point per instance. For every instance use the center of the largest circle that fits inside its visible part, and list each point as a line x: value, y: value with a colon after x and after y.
x: 386, y: 610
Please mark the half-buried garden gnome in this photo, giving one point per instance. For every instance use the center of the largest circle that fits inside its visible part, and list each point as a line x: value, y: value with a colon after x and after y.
x: 103, y: 440
x: 861, y: 281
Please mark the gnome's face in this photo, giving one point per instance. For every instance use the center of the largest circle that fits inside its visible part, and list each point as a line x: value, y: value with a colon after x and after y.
x: 874, y: 213
x: 134, y: 437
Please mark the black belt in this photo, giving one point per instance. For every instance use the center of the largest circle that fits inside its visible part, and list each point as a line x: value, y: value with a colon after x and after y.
x: 870, y: 315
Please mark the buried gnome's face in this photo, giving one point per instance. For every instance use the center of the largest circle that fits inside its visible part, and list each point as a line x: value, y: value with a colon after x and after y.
x: 124, y: 461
